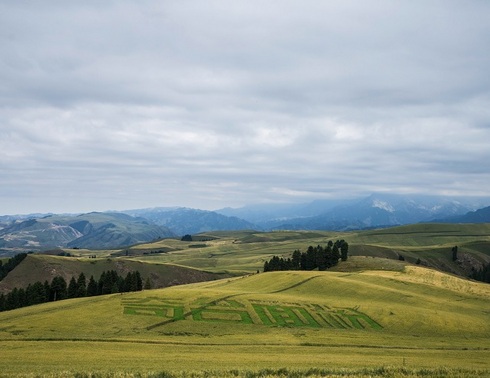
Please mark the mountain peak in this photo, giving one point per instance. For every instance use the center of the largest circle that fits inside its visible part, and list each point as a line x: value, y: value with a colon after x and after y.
x: 383, y: 205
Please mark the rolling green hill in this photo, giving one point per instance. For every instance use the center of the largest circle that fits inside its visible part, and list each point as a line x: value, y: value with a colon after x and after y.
x: 246, y: 251
x: 413, y: 318
x: 45, y: 267
x: 371, y: 315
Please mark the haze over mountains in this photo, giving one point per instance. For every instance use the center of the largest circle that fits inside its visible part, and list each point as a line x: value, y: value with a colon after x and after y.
x: 377, y: 210
x: 119, y: 229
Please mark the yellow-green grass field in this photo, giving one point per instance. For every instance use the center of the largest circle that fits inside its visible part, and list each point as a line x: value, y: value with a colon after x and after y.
x: 246, y: 251
x: 241, y: 252
x: 401, y: 322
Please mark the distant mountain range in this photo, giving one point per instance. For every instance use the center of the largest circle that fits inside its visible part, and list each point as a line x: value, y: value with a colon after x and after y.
x: 377, y: 210
x: 114, y: 230
x: 92, y: 230
x: 191, y: 221
x: 478, y: 216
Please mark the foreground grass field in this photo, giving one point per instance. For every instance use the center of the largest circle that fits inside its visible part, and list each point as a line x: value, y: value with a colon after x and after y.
x: 404, y: 322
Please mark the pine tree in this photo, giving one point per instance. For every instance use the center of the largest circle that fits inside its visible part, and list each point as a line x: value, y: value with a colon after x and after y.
x: 296, y: 260
x: 92, y: 287
x: 13, y: 301
x: 454, y: 250
x: 344, y: 250
x: 58, y: 289
x: 3, y: 302
x: 47, y: 291
x: 36, y: 294
x: 139, y: 281
x: 335, y: 256
x: 266, y: 266
x: 72, y: 288
x: 81, y: 286
x: 115, y: 288
x: 129, y: 282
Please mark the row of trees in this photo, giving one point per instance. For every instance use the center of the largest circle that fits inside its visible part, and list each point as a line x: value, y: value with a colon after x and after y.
x: 59, y: 289
x: 318, y: 257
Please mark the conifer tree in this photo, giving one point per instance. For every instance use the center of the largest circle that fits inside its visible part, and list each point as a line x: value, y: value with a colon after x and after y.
x: 92, y: 287
x: 72, y: 288
x: 454, y: 250
x: 2, y: 303
x: 58, y: 289
x: 81, y: 286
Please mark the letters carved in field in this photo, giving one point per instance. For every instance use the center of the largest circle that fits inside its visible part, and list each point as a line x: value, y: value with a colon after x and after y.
x: 251, y: 312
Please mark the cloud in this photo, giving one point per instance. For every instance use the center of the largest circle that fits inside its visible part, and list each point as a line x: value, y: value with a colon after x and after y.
x: 211, y: 104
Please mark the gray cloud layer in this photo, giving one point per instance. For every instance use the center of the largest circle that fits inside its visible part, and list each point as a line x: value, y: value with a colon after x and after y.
x: 121, y: 104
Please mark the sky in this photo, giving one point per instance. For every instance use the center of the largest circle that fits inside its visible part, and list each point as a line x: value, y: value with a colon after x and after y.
x: 113, y: 105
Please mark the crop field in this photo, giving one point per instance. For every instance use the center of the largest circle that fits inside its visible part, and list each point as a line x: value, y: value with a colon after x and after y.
x: 393, y: 322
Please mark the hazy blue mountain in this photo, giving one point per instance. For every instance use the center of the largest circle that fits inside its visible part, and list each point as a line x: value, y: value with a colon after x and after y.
x: 265, y: 214
x: 116, y: 230
x: 478, y: 216
x: 376, y: 210
x: 93, y: 230
x: 191, y: 221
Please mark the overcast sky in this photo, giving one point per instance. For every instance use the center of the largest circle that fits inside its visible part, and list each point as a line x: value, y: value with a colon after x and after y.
x: 130, y: 104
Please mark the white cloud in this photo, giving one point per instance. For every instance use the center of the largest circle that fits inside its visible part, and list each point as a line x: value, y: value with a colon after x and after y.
x: 127, y: 104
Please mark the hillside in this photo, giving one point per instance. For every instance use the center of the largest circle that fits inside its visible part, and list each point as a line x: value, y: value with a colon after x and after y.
x: 414, y: 317
x: 246, y: 251
x: 44, y: 267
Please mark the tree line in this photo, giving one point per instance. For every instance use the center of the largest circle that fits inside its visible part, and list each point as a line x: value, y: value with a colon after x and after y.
x: 58, y: 289
x: 318, y: 257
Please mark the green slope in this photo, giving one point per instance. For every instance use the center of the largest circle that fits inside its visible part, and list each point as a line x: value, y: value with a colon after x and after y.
x: 414, y: 316
x: 45, y: 267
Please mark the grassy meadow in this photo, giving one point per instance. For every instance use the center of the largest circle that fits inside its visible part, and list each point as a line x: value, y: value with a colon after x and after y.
x: 372, y: 315
x: 351, y: 322
x: 246, y: 251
